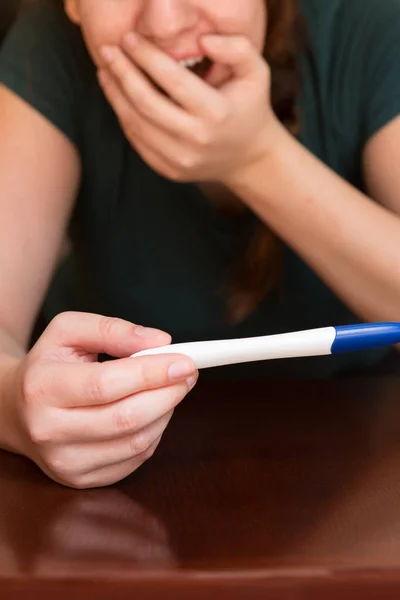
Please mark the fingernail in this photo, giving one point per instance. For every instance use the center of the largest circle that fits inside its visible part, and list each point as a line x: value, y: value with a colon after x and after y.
x: 108, y: 53
x: 191, y: 381
x: 179, y: 370
x: 147, y: 332
x: 131, y: 39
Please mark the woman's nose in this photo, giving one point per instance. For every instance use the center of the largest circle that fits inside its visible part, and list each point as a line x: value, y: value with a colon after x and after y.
x: 163, y: 20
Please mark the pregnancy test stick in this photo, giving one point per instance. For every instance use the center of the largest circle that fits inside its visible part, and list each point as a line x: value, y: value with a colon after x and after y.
x: 310, y: 342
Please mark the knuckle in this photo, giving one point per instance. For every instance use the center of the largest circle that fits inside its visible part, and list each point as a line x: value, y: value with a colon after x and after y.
x: 203, y: 137
x: 58, y: 463
x: 143, y: 375
x: 35, y: 417
x: 175, y: 174
x: 125, y: 420
x: 147, y: 374
x: 59, y: 326
x: 97, y: 387
x: 61, y: 321
x: 63, y: 467
x: 109, y: 326
x: 139, y: 445
x: 33, y: 386
x: 187, y: 161
x: 221, y: 113
x: 39, y: 433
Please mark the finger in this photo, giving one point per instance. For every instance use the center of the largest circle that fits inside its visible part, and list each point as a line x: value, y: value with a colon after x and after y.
x: 152, y: 135
x: 140, y: 94
x: 160, y: 164
x: 94, y: 456
x: 95, y: 333
x: 183, y: 86
x: 92, y: 384
x: 114, y: 473
x: 117, y: 421
x: 167, y: 153
x: 236, y: 52
x: 115, y: 96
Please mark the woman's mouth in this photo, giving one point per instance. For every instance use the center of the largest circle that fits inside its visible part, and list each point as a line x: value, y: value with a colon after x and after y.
x: 199, y: 66
x: 202, y: 67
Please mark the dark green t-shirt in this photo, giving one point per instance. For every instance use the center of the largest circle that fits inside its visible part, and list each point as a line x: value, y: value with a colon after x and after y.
x: 155, y: 251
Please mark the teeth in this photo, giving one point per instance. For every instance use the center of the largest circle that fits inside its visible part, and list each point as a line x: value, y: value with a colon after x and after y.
x: 190, y: 62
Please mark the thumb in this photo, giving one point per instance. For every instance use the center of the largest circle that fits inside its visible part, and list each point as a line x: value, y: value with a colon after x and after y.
x: 234, y: 51
x: 91, y: 333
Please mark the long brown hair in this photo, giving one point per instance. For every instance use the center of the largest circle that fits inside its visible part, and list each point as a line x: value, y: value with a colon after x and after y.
x: 259, y: 269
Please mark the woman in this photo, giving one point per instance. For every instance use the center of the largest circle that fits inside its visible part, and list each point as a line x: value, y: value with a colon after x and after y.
x: 222, y: 169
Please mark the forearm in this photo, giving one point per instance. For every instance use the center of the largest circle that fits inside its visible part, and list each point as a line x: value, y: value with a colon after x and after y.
x: 10, y: 358
x: 349, y: 240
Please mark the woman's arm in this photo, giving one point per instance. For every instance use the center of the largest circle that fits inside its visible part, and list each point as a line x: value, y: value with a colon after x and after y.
x: 39, y: 175
x: 351, y: 241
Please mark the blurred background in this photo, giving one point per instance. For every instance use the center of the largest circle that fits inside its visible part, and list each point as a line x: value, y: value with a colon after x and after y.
x: 8, y: 10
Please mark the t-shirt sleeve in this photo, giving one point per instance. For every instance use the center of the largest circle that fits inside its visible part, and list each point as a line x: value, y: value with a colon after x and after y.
x: 38, y: 63
x: 380, y: 63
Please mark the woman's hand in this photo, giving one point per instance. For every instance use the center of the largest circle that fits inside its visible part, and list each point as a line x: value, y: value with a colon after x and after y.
x: 196, y: 132
x: 89, y: 424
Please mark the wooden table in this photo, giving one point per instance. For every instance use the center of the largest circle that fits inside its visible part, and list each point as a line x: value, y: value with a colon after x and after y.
x: 283, y: 491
